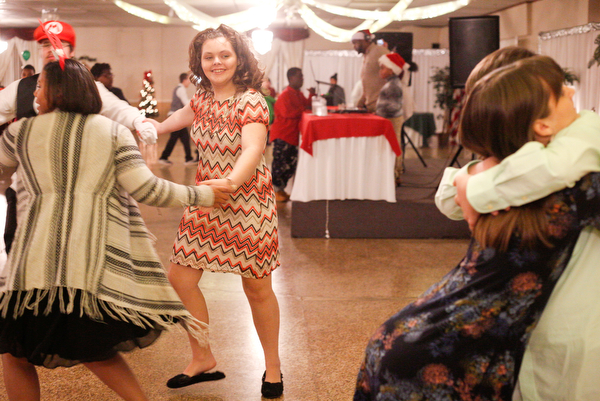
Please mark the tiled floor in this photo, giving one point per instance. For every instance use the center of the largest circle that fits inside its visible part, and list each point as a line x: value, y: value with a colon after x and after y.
x: 333, y: 294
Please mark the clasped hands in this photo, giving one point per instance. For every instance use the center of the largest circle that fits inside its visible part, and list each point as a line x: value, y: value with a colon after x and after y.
x: 222, y: 188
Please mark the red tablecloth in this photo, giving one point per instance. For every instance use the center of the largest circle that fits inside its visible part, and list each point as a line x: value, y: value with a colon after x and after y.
x: 314, y: 128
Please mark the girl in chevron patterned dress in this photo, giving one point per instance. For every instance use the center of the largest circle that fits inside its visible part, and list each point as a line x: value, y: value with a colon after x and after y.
x: 229, y: 119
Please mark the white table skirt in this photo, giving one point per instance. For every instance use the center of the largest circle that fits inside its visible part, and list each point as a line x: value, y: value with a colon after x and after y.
x: 346, y: 168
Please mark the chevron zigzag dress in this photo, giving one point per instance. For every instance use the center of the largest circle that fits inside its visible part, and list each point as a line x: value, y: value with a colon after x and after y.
x: 241, y: 237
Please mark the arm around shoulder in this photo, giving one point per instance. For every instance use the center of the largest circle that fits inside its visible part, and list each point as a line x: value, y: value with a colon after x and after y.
x: 534, y: 172
x: 446, y: 193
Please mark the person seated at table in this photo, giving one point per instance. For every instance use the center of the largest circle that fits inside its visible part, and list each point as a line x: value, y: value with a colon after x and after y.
x: 390, y: 103
x: 285, y: 131
x: 336, y: 94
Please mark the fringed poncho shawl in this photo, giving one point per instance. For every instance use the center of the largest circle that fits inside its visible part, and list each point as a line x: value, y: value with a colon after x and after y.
x: 78, y: 226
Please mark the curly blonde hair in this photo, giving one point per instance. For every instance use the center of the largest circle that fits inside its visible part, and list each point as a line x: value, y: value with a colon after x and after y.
x: 247, y: 74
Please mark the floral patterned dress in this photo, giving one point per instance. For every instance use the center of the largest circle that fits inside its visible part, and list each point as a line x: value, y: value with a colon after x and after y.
x: 464, y: 338
x: 240, y: 237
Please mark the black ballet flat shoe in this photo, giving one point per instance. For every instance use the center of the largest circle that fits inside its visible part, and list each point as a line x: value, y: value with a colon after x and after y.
x: 182, y: 380
x: 271, y: 390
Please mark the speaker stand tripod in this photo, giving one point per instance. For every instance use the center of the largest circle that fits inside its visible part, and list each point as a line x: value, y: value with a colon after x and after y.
x: 403, y: 139
x: 457, y: 154
x: 455, y: 158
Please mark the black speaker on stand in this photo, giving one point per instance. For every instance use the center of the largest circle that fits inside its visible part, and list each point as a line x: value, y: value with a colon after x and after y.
x: 471, y: 39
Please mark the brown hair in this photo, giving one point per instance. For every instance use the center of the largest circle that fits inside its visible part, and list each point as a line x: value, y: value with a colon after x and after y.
x: 247, y: 74
x: 493, y: 61
x: 72, y: 89
x: 498, y: 119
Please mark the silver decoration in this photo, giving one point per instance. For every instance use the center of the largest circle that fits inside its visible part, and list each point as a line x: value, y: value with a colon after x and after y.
x: 577, y: 30
x: 430, y: 52
x: 332, y: 53
x: 194, y: 79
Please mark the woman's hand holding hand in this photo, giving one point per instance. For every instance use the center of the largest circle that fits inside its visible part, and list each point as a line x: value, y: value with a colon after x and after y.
x: 222, y: 188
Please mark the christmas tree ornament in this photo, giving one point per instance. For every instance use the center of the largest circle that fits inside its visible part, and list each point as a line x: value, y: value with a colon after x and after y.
x: 148, y: 103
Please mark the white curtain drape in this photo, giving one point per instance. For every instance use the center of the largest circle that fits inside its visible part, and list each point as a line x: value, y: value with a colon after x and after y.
x: 282, y: 56
x: 573, y: 48
x: 428, y: 60
x: 12, y: 61
x: 321, y: 65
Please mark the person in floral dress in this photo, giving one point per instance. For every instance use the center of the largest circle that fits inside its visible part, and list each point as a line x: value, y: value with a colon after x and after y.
x: 229, y: 118
x: 465, y: 337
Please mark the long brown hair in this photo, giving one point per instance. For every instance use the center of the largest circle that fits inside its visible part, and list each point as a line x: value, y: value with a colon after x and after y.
x: 72, y: 89
x: 247, y: 74
x: 499, y: 58
x: 497, y: 119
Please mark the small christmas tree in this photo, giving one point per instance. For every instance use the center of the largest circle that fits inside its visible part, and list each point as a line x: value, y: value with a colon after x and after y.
x: 148, y: 103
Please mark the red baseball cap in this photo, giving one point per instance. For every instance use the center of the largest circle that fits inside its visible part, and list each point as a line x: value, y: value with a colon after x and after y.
x: 63, y: 30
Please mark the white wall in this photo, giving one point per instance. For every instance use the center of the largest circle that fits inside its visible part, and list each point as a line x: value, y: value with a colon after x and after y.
x: 524, y: 22
x: 131, y: 51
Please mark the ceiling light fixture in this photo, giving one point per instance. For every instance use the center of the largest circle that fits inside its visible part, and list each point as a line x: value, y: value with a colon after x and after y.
x: 262, y: 40
x: 145, y: 14
x: 261, y: 16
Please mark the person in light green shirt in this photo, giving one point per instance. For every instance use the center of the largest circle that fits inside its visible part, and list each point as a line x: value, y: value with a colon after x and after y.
x: 561, y: 360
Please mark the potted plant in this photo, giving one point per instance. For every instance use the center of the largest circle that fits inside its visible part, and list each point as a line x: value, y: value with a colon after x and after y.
x: 444, y: 97
x: 596, y: 58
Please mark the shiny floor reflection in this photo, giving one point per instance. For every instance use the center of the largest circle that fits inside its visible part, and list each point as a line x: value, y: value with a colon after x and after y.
x: 333, y: 294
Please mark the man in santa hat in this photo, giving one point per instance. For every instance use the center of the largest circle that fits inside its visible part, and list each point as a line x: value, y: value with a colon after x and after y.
x: 17, y: 101
x: 392, y: 101
x: 363, y: 42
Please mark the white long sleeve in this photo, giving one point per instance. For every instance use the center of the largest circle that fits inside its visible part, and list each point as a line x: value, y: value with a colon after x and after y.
x: 116, y: 109
x: 122, y: 112
x: 8, y: 102
x: 444, y: 197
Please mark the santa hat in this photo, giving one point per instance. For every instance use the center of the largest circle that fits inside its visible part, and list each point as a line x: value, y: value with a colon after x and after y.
x: 365, y: 34
x: 394, y: 62
x: 63, y: 30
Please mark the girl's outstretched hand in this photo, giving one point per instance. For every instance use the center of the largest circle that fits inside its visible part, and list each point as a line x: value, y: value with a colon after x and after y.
x: 156, y: 124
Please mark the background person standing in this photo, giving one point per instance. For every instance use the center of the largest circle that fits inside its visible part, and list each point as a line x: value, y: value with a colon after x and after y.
x: 103, y: 73
x: 27, y: 71
x: 336, y: 95
x: 285, y: 131
x: 180, y: 99
x: 391, y: 100
x: 369, y: 72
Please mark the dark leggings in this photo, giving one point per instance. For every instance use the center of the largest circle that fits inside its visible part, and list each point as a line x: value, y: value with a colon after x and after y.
x: 11, y: 218
x: 285, y: 160
x: 183, y: 136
